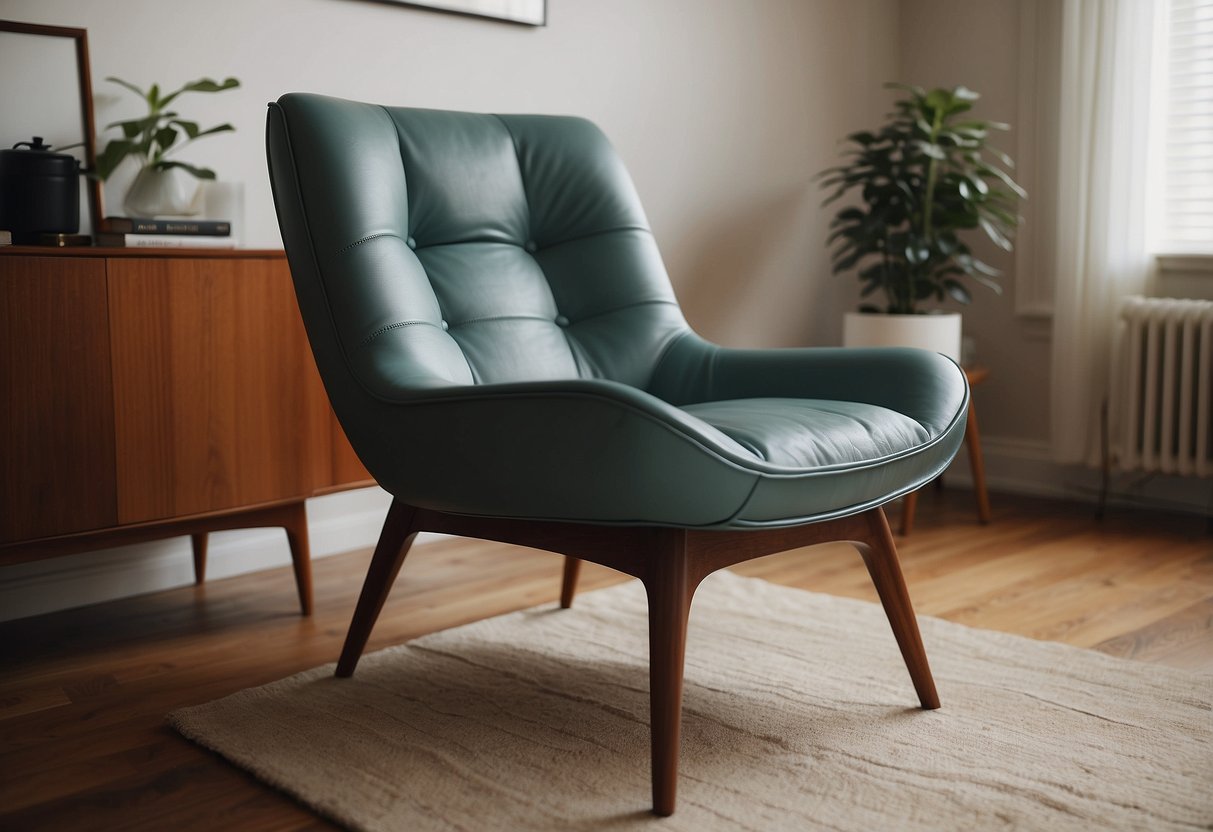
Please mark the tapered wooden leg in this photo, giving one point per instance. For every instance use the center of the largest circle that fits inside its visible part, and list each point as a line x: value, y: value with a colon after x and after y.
x: 394, y: 543
x: 568, y: 582
x: 301, y: 554
x: 880, y: 556
x: 909, y: 505
x: 198, y: 543
x: 670, y: 588
x: 977, y: 465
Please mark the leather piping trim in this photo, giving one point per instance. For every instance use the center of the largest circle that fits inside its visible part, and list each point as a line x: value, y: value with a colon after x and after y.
x: 495, y: 241
x: 367, y: 239
x: 388, y: 328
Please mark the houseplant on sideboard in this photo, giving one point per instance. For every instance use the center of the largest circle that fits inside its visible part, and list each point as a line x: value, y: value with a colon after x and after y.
x: 163, y: 185
x: 923, y: 180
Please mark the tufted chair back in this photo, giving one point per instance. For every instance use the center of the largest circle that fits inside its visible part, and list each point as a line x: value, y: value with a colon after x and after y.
x: 477, y: 248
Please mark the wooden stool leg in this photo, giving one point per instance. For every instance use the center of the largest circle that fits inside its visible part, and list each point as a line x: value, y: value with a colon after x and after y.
x: 568, y: 583
x: 880, y: 556
x: 669, y: 589
x: 394, y: 543
x: 977, y: 465
x: 301, y: 554
x: 909, y: 505
x: 198, y: 544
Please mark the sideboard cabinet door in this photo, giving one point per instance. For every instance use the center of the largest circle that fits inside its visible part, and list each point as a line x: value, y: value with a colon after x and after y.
x: 56, y: 406
x: 215, y: 400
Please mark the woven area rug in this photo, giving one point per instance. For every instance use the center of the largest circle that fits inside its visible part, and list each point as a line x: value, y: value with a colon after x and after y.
x: 798, y: 715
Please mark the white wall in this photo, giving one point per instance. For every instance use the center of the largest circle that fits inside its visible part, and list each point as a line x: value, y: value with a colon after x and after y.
x: 722, y: 109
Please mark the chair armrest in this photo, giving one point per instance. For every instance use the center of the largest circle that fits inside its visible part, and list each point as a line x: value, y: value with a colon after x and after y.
x: 925, y: 386
x: 573, y: 450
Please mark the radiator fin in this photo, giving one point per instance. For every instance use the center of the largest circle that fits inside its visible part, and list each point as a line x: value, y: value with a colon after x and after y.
x: 1161, y: 404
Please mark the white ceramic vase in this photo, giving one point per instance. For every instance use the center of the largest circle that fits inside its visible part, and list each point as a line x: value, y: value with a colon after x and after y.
x: 935, y: 332
x: 157, y: 193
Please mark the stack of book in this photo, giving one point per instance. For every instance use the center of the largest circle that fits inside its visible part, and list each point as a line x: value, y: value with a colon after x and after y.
x: 145, y: 232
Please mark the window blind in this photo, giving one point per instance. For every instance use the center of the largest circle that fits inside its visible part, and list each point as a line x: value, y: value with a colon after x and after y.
x: 1187, y: 152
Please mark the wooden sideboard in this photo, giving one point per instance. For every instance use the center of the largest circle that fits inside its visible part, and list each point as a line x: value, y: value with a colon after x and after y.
x: 147, y: 394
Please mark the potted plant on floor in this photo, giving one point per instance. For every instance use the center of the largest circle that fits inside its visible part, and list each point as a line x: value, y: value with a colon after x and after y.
x: 923, y: 180
x: 163, y: 186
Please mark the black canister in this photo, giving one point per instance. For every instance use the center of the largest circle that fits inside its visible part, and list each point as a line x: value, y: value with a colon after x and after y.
x: 39, y: 191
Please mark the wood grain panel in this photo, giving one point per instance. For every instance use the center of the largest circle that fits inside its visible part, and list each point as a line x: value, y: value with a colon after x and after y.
x: 213, y: 404
x: 56, y: 407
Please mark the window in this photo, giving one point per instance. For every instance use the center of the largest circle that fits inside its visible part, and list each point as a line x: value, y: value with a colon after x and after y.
x: 1185, y: 158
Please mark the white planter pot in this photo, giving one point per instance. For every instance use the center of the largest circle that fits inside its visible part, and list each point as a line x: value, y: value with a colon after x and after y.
x: 159, y: 193
x: 938, y: 333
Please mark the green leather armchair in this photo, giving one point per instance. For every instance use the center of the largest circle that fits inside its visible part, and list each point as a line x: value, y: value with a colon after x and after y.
x: 499, y: 339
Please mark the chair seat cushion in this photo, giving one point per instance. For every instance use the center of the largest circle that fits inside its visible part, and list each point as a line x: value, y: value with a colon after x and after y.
x: 812, y: 433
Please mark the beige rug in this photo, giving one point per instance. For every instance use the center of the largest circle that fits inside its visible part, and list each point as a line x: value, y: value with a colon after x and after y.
x: 798, y: 715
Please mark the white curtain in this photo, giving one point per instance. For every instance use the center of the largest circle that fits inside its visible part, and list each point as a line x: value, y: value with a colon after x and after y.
x: 1105, y: 118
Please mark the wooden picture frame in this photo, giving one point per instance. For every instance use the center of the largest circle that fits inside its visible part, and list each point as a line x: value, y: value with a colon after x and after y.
x: 524, y: 12
x: 25, y: 114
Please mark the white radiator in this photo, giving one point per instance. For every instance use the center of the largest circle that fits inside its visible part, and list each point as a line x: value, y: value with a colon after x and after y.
x: 1161, y: 404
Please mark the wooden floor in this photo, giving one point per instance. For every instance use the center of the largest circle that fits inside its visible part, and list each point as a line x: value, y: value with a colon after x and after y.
x: 83, y: 744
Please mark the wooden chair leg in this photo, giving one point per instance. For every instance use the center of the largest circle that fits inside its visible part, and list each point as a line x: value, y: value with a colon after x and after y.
x: 394, y: 543
x: 880, y: 556
x: 198, y: 544
x: 909, y: 505
x: 977, y: 465
x: 568, y: 582
x: 670, y: 588
x: 301, y: 554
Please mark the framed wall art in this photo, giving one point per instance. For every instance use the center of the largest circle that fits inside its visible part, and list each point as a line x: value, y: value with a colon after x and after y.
x: 526, y: 12
x: 46, y: 91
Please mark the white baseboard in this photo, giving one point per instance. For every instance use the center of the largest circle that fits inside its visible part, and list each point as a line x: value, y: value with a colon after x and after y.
x: 1026, y: 466
x: 352, y: 519
x: 336, y: 523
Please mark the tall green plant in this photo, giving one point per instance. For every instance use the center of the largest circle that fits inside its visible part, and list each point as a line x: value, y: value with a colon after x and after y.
x: 150, y: 138
x: 923, y: 180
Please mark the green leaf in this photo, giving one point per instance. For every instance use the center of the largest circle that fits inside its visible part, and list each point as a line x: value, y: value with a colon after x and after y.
x: 165, y: 137
x: 222, y: 128
x: 113, y: 154
x: 201, y: 173
x: 128, y: 85
x: 189, y: 127
x: 135, y: 126
x: 957, y: 291
x: 939, y: 99
x: 203, y: 85
x: 988, y: 170
x: 988, y: 282
x: 932, y: 150
x: 995, y: 234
